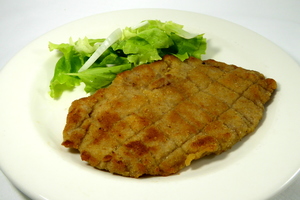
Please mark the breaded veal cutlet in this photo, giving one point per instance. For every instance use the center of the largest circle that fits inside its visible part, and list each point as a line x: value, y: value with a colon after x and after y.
x: 157, y: 118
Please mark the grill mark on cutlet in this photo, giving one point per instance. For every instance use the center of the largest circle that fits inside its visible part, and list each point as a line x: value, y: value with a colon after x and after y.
x: 194, y: 135
x: 170, y: 108
x: 163, y: 126
x: 178, y: 145
x: 120, y: 144
x: 130, y: 82
x: 163, y: 164
x: 235, y: 75
x: 256, y: 79
x: 231, y: 132
x: 245, y: 122
x: 229, y: 77
x: 187, y: 138
x: 241, y: 110
x: 77, y: 132
x: 106, y: 118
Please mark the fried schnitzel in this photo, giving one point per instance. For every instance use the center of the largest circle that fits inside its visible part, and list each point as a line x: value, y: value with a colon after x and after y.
x: 157, y: 118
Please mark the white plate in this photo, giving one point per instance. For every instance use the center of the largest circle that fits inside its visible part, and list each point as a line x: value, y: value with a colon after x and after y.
x: 31, y: 122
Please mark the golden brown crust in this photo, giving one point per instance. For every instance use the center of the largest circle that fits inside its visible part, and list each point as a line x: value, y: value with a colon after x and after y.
x: 157, y: 118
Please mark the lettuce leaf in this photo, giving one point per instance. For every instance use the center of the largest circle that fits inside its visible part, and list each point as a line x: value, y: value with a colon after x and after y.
x: 138, y: 50
x: 145, y: 43
x: 68, y: 63
x: 95, y: 78
x: 194, y: 47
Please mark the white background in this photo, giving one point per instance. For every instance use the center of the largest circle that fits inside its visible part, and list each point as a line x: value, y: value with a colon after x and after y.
x: 23, y: 21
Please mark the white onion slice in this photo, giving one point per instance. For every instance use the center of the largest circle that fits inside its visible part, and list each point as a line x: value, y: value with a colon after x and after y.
x: 110, y: 40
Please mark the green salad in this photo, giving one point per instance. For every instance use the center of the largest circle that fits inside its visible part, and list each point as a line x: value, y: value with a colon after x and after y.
x: 96, y: 62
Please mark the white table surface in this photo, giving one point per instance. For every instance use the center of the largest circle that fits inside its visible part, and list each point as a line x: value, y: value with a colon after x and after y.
x: 23, y: 21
